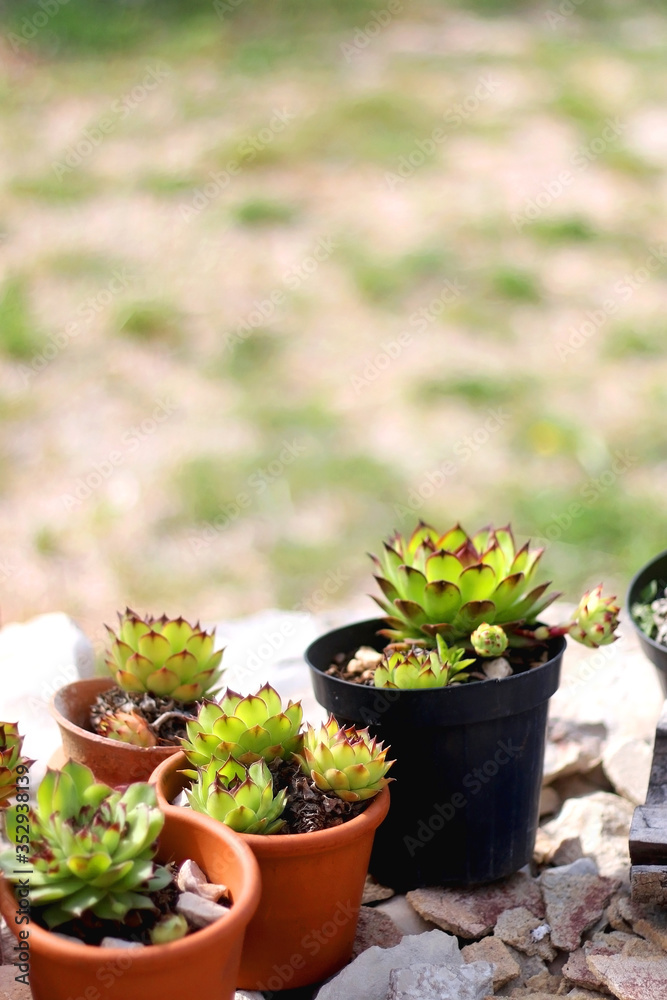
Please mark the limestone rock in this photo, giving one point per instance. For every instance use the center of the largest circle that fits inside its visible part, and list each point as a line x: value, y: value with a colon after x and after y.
x: 530, y: 965
x: 632, y: 978
x: 404, y: 916
x: 577, y: 971
x: 493, y: 950
x: 602, y: 823
x: 572, y: 748
x: 374, y: 892
x: 112, y: 942
x: 430, y: 982
x: 614, y: 915
x: 525, y: 932
x: 375, y: 928
x: 367, y: 977
x: 199, y: 911
x: 574, y: 902
x: 578, y: 993
x: 191, y: 878
x: 649, y: 922
x: 472, y: 913
x: 545, y: 982
x: 628, y: 768
x: 549, y: 801
x: 9, y: 988
x: 36, y: 658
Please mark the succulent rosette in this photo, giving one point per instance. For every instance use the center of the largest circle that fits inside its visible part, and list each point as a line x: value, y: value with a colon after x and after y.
x: 163, y: 656
x: 422, y: 668
x: 251, y: 728
x: 345, y: 762
x: 91, y: 847
x: 127, y: 727
x: 241, y: 799
x: 12, y: 762
x: 458, y: 585
x: 596, y: 619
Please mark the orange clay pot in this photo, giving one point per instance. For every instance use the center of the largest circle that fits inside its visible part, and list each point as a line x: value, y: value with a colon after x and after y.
x: 111, y: 761
x: 312, y: 885
x: 209, y: 958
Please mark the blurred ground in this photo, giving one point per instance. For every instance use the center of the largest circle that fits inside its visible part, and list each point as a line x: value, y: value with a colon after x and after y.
x: 277, y: 279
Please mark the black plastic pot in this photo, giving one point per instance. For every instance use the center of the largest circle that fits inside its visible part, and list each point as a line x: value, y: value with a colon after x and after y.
x: 469, y: 759
x: 656, y: 569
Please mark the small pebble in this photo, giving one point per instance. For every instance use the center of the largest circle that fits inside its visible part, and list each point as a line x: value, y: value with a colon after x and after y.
x: 198, y: 911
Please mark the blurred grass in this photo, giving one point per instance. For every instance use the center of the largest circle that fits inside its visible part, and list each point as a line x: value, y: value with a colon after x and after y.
x: 360, y: 451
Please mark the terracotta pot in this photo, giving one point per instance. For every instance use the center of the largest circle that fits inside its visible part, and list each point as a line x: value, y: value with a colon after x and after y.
x: 208, y: 959
x: 112, y: 762
x: 312, y: 885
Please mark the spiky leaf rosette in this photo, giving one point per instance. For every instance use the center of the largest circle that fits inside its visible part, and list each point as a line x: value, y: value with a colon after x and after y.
x: 12, y: 761
x: 450, y: 584
x: 166, y: 657
x: 248, y: 729
x: 344, y: 761
x: 421, y: 668
x: 91, y: 847
x: 246, y: 804
x: 127, y: 727
x: 595, y: 619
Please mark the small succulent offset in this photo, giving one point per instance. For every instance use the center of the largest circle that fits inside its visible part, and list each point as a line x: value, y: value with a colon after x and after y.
x: 166, y: 657
x: 127, y: 727
x: 474, y: 589
x: 13, y: 765
x: 421, y: 668
x: 346, y: 762
x: 91, y: 848
x: 248, y: 729
x: 244, y: 800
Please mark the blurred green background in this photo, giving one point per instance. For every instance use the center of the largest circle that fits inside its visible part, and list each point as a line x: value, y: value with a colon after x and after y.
x: 277, y: 279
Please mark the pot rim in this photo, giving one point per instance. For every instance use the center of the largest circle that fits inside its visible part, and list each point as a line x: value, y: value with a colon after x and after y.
x: 294, y: 844
x: 631, y: 597
x: 239, y: 915
x: 94, y: 686
x: 457, y: 704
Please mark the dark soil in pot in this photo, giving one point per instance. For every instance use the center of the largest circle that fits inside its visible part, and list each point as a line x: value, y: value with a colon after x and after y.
x: 165, y: 717
x: 656, y: 652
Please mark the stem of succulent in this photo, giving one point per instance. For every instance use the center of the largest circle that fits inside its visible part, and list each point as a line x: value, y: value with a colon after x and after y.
x: 171, y: 715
